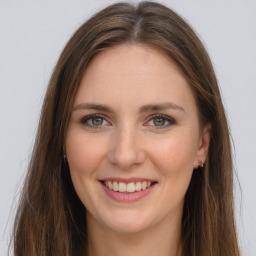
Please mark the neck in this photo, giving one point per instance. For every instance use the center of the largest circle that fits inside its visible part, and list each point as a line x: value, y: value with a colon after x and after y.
x: 161, y: 240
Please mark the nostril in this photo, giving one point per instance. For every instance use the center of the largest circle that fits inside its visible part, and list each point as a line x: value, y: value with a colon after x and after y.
x: 126, y: 159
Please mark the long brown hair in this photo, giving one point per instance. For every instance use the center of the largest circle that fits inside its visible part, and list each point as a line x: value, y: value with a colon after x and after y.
x: 51, y: 219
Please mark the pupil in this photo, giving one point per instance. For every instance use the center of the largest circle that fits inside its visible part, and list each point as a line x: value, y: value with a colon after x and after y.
x: 97, y: 121
x: 159, y: 121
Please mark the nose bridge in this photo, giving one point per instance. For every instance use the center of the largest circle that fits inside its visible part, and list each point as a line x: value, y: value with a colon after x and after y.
x: 126, y: 149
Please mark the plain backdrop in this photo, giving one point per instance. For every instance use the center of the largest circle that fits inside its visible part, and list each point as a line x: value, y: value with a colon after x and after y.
x: 32, y: 35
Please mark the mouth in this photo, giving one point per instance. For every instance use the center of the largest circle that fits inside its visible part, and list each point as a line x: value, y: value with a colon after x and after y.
x: 128, y: 187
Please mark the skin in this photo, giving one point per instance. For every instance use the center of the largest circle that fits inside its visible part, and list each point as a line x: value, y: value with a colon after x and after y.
x: 128, y: 143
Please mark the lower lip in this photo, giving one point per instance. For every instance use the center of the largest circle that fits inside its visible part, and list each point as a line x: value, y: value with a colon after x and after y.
x: 127, y: 197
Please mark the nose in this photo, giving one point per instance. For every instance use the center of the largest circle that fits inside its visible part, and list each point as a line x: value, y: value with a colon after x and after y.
x: 126, y: 149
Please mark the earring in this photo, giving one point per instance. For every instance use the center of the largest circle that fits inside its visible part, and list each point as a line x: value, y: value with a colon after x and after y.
x: 65, y: 156
x: 201, y: 164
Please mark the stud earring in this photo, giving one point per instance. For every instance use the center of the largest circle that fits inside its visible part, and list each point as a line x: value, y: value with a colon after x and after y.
x: 201, y: 164
x: 65, y: 156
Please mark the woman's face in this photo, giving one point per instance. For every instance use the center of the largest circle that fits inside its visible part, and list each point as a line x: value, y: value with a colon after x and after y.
x: 134, y: 139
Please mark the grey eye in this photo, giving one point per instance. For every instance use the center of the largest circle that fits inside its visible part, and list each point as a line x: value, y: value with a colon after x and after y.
x: 159, y: 121
x: 94, y: 121
x: 97, y: 121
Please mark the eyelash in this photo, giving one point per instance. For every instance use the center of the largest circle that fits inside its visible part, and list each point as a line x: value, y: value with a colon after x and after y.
x: 167, y: 119
x: 171, y: 121
x: 85, y: 120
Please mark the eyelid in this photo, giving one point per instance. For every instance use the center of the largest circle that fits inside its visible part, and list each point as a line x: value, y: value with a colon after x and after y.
x: 171, y: 121
x: 84, y: 120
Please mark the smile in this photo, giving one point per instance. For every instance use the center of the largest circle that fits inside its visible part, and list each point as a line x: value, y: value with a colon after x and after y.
x: 130, y: 187
x: 129, y: 190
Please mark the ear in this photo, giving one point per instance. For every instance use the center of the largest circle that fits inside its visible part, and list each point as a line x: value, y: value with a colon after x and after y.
x: 203, y: 145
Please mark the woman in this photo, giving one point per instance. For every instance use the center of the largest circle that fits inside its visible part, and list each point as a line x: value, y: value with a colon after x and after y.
x: 132, y: 155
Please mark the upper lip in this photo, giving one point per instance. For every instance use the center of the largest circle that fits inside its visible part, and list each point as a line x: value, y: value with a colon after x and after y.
x: 127, y: 180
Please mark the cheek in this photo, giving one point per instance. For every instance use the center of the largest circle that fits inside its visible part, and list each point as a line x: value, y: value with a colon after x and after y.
x: 84, y: 154
x: 174, y: 158
x: 175, y: 155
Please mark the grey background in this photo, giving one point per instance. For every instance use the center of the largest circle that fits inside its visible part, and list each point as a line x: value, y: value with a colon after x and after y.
x: 32, y: 35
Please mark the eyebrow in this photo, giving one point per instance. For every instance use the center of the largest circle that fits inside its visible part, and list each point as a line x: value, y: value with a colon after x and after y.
x: 93, y: 106
x: 161, y: 107
x: 142, y: 109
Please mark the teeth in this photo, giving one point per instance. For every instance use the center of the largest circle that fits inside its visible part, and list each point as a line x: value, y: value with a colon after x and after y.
x: 122, y: 187
x: 115, y: 186
x: 130, y: 187
x: 109, y: 184
x: 138, y: 186
x: 127, y: 187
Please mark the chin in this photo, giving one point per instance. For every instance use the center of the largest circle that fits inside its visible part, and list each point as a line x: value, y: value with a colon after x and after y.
x: 128, y: 227
x: 127, y: 223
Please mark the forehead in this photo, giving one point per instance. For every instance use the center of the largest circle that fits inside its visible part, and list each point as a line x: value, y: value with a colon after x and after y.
x: 133, y: 75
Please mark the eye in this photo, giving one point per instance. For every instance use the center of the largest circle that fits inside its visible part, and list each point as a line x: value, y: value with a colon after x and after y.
x: 94, y: 121
x: 160, y: 121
